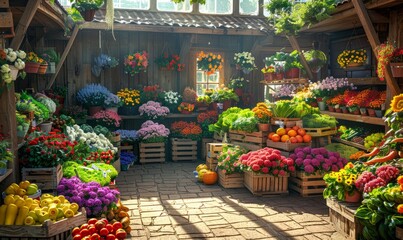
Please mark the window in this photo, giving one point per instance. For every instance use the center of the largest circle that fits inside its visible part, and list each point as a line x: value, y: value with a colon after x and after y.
x: 216, y: 7
x: 204, y: 82
x: 169, y: 6
x: 249, y: 7
x: 266, y: 13
x: 132, y: 4
x: 65, y: 3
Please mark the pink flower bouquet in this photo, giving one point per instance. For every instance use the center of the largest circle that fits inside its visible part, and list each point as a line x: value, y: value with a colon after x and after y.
x: 153, y: 110
x: 136, y: 63
x: 108, y: 119
x: 151, y: 132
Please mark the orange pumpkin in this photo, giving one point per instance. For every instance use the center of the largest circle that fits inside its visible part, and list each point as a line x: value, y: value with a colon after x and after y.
x: 210, y: 178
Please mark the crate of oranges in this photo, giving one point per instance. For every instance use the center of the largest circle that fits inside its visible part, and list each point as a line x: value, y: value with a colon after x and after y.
x: 289, y: 138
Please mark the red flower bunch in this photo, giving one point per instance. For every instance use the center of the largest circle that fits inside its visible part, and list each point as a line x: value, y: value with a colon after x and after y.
x: 47, y: 151
x: 207, y: 117
x: 363, y: 98
x: 171, y: 63
x: 267, y: 160
x: 101, y: 157
x: 376, y: 102
x: 150, y: 93
x: 397, y: 55
x: 152, y: 88
x: 186, y: 130
x: 108, y: 119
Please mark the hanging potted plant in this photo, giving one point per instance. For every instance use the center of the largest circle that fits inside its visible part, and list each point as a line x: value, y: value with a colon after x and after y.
x: 396, y: 63
x: 52, y: 58
x: 169, y: 62
x: 136, y: 62
x: 87, y: 8
x: 32, y: 63
x: 352, y: 58
x: 316, y: 59
x: 245, y: 62
x: 43, y: 66
x: 15, y: 60
x: 209, y: 62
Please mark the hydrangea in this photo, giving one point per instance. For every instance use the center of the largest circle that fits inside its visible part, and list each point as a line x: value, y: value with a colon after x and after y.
x: 152, y: 132
x: 153, y: 110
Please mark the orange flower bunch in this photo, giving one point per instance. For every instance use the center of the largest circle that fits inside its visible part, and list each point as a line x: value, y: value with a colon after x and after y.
x: 184, y: 106
x: 362, y: 98
x: 209, y: 62
x: 377, y: 102
x: 207, y: 117
x: 337, y: 100
x: 262, y: 112
x: 186, y: 129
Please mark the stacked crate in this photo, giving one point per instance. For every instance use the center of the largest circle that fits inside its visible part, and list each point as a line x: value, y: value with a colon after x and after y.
x: 213, y: 150
x: 152, y: 152
x: 250, y: 141
x: 184, y: 149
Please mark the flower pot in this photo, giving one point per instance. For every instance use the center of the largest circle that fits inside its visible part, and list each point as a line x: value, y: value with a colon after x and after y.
x: 356, y: 112
x: 113, y: 109
x: 264, y: 127
x: 238, y: 91
x: 338, y: 110
x: 94, y: 109
x: 51, y: 68
x: 331, y: 108
x: 88, y: 15
x: 186, y: 112
x: 355, y: 197
x: 42, y: 69
x: 268, y: 77
x: 292, y: 73
x: 13, y: 72
x: 371, y: 112
x: 397, y: 69
x: 128, y: 110
x: 31, y: 67
x: 322, y: 106
x: 46, y: 126
x: 363, y: 111
x: 344, y: 109
x: 353, y: 64
x: 279, y: 76
x: 379, y: 113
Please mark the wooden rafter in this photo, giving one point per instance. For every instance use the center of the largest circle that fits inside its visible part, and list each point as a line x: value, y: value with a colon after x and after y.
x: 23, y: 24
x: 64, y: 56
x: 295, y: 45
x: 374, y: 41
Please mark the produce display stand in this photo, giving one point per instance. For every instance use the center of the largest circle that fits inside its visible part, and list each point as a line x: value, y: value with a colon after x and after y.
x: 45, y: 178
x: 307, y: 185
x: 265, y: 184
x: 234, y: 180
x: 251, y: 141
x: 183, y: 149
x: 152, y: 152
x: 286, y: 146
x: 318, y: 134
x: 48, y: 230
x: 342, y: 215
x: 288, y: 122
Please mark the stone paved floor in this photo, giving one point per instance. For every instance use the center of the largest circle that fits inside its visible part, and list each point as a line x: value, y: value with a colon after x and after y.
x: 166, y: 203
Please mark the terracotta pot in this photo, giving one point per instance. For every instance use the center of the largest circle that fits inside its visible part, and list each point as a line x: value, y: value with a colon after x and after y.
x: 397, y: 69
x: 292, y: 73
x: 355, y: 197
x: 371, y: 112
x: 238, y: 91
x: 42, y: 69
x: 186, y: 112
x: 94, y: 109
x: 264, y: 127
x: 353, y: 64
x: 363, y: 111
x: 331, y: 108
x: 356, y: 112
x: 31, y: 67
x: 88, y: 15
x: 338, y: 110
x: 268, y: 77
x: 279, y: 76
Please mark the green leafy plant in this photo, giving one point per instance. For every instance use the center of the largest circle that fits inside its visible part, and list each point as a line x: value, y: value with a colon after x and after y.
x: 224, y: 120
x: 283, y: 109
x: 191, y: 1
x: 318, y: 121
x: 224, y: 94
x: 83, y: 5
x: 245, y: 121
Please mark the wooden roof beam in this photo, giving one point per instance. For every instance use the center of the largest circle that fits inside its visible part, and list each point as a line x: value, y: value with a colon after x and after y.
x: 295, y: 45
x: 374, y: 41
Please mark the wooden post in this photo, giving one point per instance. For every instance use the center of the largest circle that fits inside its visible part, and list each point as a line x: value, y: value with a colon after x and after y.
x: 64, y: 56
x: 295, y: 46
x: 24, y: 23
x: 374, y: 41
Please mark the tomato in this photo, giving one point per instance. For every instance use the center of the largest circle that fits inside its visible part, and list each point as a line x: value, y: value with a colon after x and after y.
x: 84, y: 226
x: 117, y: 225
x: 85, y: 232
x: 75, y: 231
x: 92, y: 221
x: 121, y: 234
x: 105, y: 220
x: 77, y: 237
x: 99, y: 225
x: 109, y: 227
x: 103, y: 232
x: 95, y: 236
x: 110, y: 237
x: 92, y: 230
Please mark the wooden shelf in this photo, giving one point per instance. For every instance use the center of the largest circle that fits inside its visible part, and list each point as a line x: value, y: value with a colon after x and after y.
x: 9, y: 171
x: 171, y: 115
x: 353, y: 144
x: 366, y: 81
x: 356, y: 118
x: 286, y: 81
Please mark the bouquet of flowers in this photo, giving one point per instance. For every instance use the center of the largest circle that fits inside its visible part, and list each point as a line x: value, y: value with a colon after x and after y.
x: 129, y: 97
x: 153, y: 110
x: 209, y: 62
x: 108, y: 119
x: 244, y: 61
x: 92, y: 95
x: 170, y: 62
x: 262, y: 112
x: 186, y: 107
x: 96, y: 199
x: 151, y: 132
x: 136, y: 63
x: 112, y: 101
x: 189, y: 130
x: 171, y: 99
x: 237, y: 83
x: 355, y: 56
x: 228, y: 160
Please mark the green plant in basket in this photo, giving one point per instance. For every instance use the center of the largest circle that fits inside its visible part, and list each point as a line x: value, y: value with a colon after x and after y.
x: 245, y: 121
x: 283, y: 109
x: 228, y: 160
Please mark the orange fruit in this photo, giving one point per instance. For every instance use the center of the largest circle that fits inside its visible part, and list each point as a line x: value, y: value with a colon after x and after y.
x: 307, y: 138
x: 295, y: 128
x: 293, y: 140
x: 275, y: 138
x: 299, y: 138
x: 301, y: 132
x: 285, y: 138
x: 292, y: 133
x: 281, y: 131
x: 287, y: 129
x: 271, y: 134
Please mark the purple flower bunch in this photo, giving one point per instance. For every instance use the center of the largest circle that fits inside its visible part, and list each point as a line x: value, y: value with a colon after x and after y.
x: 285, y: 90
x: 127, y: 135
x: 330, y: 86
x: 107, y: 118
x: 153, y: 110
x: 153, y: 132
x: 92, y: 196
x: 310, y: 160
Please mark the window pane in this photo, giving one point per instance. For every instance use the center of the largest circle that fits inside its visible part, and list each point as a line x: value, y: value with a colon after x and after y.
x: 214, y: 78
x: 132, y: 4
x: 265, y: 12
x: 249, y: 7
x: 200, y: 76
x: 168, y: 5
x: 200, y: 89
x: 216, y: 7
x: 65, y: 3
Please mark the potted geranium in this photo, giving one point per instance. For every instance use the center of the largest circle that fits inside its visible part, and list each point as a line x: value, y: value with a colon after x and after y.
x: 153, y: 110
x: 244, y: 61
x: 169, y: 62
x: 209, y: 62
x: 136, y: 62
x: 130, y: 99
x: 238, y: 84
x: 352, y: 58
x: 108, y: 119
x: 87, y: 8
x: 93, y: 97
x: 263, y: 114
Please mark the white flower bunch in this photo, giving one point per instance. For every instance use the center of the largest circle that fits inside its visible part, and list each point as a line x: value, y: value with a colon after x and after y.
x: 171, y: 97
x: 6, y: 73
x: 19, y: 64
x: 245, y: 60
x: 12, y: 55
x: 98, y: 142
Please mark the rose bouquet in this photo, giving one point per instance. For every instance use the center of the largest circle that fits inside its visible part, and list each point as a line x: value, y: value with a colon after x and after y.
x: 170, y: 62
x: 349, y: 57
x: 267, y: 161
x: 136, y: 63
x: 153, y: 110
x: 151, y: 132
x: 228, y: 160
x: 209, y: 62
x: 244, y: 61
x: 108, y: 119
x: 189, y: 130
x: 92, y: 196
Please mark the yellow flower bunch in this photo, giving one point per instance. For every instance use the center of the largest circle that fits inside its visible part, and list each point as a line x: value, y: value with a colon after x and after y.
x: 351, y: 56
x: 209, y: 62
x: 129, y: 97
x: 344, y: 177
x: 397, y: 103
x: 262, y: 112
x: 32, y: 57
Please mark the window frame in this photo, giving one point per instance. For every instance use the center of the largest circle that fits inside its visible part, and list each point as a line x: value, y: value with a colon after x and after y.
x: 158, y: 10
x: 209, y: 13
x: 244, y: 14
x: 141, y: 9
x: 221, y: 77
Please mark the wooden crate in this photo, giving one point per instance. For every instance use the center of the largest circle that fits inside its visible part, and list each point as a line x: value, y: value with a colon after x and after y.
x: 116, y: 165
x: 321, y: 132
x: 265, y: 184
x: 48, y: 230
x: 152, y: 152
x: 127, y: 148
x: 342, y: 215
x: 214, y: 149
x: 217, y: 138
x: 250, y: 141
x: 288, y: 122
x: 45, y: 178
x: 234, y: 180
x: 307, y: 185
x: 286, y: 146
x: 211, y: 163
x: 183, y: 149
x: 204, y: 143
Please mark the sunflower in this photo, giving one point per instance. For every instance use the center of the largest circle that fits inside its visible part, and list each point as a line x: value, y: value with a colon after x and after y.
x: 397, y: 103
